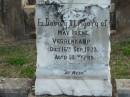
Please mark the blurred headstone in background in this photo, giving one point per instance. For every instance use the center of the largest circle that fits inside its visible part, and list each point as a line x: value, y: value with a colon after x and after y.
x: 122, y: 15
x: 29, y: 13
x: 14, y: 21
x: 113, y: 15
x: 13, y: 18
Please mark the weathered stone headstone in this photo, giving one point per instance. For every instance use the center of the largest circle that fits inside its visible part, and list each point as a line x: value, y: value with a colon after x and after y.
x: 73, y: 47
x: 122, y: 19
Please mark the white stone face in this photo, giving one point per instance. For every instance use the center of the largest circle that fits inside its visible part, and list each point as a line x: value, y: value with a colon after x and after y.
x: 101, y: 3
x: 73, y: 47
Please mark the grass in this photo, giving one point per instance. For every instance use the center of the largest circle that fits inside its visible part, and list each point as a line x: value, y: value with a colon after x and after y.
x: 120, y: 59
x: 28, y: 72
x: 126, y: 51
x: 18, y: 59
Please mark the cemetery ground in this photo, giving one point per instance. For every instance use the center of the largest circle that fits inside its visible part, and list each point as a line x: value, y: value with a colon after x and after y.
x: 18, y: 59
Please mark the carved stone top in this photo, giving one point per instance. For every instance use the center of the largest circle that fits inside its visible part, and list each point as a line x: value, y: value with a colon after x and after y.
x: 101, y: 3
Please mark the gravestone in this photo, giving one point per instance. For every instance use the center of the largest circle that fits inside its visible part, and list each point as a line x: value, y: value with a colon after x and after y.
x: 12, y: 16
x: 73, y: 47
x: 122, y: 19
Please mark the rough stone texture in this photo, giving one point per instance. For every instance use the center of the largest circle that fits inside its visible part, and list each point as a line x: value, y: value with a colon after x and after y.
x: 29, y: 11
x: 73, y: 87
x: 73, y: 76
x: 123, y: 87
x: 14, y: 87
x: 63, y: 96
